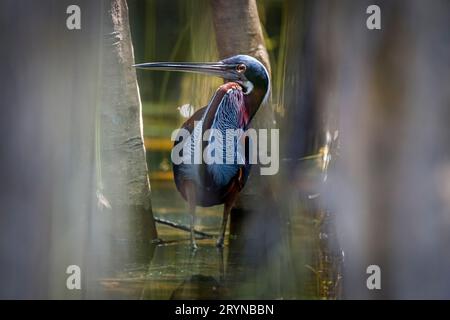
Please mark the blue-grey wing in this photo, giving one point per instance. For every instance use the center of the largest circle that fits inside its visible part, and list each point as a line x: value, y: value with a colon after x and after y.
x: 214, y: 181
x: 226, y: 137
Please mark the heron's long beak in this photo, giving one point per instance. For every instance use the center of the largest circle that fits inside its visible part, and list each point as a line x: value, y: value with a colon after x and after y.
x: 219, y: 69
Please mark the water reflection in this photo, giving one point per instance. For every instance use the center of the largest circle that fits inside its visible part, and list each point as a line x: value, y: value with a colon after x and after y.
x: 177, y: 272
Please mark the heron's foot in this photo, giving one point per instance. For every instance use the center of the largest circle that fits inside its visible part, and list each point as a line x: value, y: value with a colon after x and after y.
x: 219, y: 243
x: 157, y: 241
x: 194, y: 246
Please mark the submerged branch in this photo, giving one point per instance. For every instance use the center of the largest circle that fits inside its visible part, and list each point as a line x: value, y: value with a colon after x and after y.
x: 183, y: 227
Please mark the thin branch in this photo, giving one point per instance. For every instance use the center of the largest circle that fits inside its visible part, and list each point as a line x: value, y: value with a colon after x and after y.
x: 183, y: 227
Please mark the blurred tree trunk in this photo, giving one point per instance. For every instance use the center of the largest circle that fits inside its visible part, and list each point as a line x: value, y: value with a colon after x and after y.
x: 60, y: 87
x: 308, y: 143
x: 391, y: 183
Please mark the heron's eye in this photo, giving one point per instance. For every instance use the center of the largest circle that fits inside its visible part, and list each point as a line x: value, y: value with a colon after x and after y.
x: 241, y: 68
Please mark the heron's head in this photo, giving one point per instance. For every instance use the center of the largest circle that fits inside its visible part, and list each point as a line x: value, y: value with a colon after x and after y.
x: 245, y: 70
x: 248, y: 72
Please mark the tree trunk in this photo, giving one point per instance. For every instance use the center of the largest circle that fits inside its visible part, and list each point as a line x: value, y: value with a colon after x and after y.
x: 254, y: 220
x: 60, y: 87
x: 309, y: 141
x: 391, y: 183
x: 122, y: 174
x: 238, y: 29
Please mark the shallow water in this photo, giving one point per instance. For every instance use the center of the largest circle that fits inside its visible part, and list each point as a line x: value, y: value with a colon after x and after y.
x: 175, y: 271
x: 291, y: 264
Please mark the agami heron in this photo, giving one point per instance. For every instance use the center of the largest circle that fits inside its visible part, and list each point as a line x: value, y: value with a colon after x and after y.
x: 233, y: 106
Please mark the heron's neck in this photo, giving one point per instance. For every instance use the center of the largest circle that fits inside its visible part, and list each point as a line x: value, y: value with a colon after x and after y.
x: 253, y: 101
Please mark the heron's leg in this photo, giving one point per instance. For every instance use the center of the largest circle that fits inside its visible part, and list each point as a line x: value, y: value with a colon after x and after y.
x: 192, y: 203
x: 226, y: 212
x: 221, y: 266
